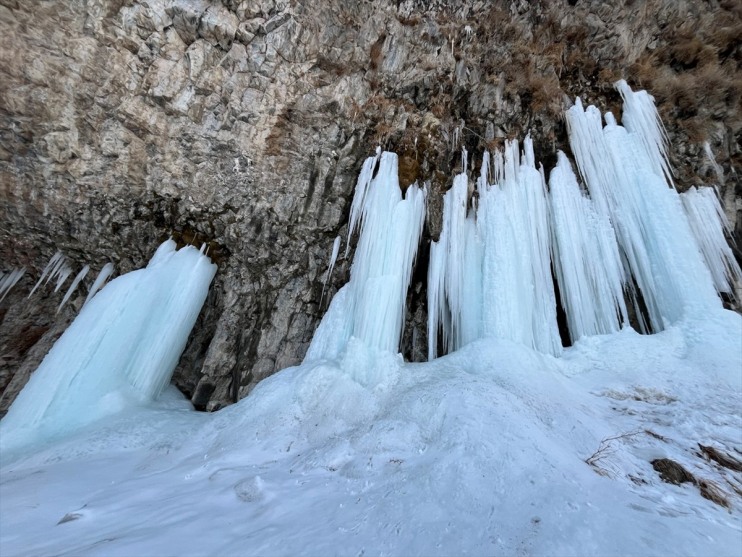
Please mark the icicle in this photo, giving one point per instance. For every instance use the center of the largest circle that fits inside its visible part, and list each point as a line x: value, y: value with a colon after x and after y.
x: 57, y: 258
x: 436, y: 295
x: 62, y: 276
x: 641, y: 118
x: 712, y: 160
x: 331, y: 266
x: 100, y: 280
x: 9, y: 280
x: 587, y: 261
x: 709, y: 223
x: 57, y: 270
x: 120, y: 350
x: 485, y: 170
x: 73, y: 286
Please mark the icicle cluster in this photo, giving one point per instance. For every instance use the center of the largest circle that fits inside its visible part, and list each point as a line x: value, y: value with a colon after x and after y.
x: 490, y: 274
x: 9, y: 280
x: 626, y: 173
x: 587, y: 261
x: 709, y: 225
x: 120, y: 350
x: 58, y: 270
x: 371, y: 306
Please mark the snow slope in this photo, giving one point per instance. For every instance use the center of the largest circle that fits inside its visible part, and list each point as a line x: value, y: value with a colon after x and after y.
x: 480, y: 452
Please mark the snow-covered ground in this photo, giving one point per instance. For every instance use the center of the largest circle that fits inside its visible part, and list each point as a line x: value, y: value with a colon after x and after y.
x: 481, y: 452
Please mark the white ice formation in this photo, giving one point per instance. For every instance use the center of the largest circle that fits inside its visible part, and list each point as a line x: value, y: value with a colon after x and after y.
x: 371, y: 307
x: 331, y: 266
x: 57, y: 268
x: 627, y: 237
x: 718, y: 170
x: 9, y: 280
x: 489, y: 273
x: 709, y: 225
x: 492, y: 273
x: 587, y: 261
x: 625, y: 171
x: 76, y: 281
x: 100, y: 280
x: 120, y: 350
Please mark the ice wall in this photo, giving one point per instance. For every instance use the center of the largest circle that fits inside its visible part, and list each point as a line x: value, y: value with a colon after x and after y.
x: 120, y: 350
x: 371, y: 307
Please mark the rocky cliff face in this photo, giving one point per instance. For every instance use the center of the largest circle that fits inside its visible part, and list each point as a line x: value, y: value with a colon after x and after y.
x: 243, y: 125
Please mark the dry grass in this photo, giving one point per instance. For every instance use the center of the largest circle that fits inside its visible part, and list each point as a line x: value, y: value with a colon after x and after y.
x: 713, y: 493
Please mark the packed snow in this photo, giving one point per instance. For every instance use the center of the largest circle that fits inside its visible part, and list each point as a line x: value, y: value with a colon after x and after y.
x: 479, y: 452
x: 510, y: 444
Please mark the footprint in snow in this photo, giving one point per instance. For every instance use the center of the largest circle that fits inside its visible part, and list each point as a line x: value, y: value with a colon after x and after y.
x: 250, y: 490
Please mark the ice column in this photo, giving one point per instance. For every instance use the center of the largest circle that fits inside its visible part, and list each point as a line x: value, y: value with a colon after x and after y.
x: 491, y: 276
x: 587, y: 261
x: 454, y: 274
x: 120, y: 350
x: 517, y: 287
x: 371, y: 306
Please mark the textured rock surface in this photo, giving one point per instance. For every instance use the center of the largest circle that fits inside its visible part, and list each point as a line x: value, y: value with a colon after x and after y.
x: 244, y: 124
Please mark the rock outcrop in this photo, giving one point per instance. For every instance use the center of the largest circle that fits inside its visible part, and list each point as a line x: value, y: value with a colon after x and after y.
x: 243, y: 125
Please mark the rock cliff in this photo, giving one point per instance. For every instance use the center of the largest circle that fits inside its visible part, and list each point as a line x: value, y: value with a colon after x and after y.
x: 243, y: 125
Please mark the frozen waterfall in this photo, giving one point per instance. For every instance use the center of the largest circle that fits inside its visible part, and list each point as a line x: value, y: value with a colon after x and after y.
x: 587, y: 261
x: 626, y: 173
x: 623, y: 237
x: 120, y: 350
x: 371, y: 307
x: 628, y: 237
x: 490, y: 275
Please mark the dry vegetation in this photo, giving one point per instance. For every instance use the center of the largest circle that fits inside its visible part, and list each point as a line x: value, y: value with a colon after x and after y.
x: 533, y: 57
